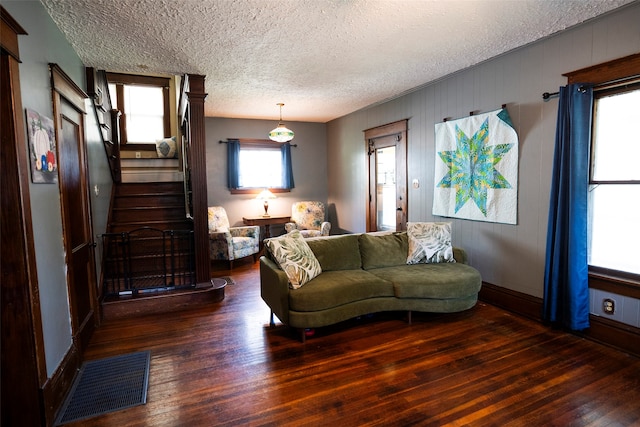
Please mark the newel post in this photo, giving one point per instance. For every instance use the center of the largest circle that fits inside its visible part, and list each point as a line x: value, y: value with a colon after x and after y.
x: 198, y: 163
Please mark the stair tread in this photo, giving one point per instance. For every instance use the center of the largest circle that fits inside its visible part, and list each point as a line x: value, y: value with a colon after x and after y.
x: 152, y: 207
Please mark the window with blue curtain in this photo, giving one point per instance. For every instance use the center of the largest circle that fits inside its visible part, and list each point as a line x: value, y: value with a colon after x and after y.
x: 256, y: 164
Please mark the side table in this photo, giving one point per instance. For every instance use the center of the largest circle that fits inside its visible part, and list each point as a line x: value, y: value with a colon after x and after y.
x: 266, y: 222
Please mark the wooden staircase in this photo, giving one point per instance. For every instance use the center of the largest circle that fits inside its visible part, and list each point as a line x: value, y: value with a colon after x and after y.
x: 149, y: 252
x: 157, y: 205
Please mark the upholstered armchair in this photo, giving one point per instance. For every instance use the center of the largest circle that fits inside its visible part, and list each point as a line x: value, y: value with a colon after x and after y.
x: 308, y: 217
x: 231, y: 243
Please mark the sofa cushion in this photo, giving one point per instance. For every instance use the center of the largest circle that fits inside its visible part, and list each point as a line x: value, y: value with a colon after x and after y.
x: 340, y: 252
x: 383, y: 250
x: 295, y: 258
x: 335, y: 288
x: 429, y: 242
x: 439, y: 281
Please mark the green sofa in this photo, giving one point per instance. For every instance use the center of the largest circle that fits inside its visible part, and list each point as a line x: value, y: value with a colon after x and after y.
x: 367, y: 273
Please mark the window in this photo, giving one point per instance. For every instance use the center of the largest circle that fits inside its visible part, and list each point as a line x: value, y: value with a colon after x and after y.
x: 614, y: 220
x: 256, y: 164
x: 144, y: 104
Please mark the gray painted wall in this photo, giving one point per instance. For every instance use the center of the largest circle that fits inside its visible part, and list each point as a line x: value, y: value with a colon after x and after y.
x: 511, y: 256
x: 309, y: 160
x: 45, y: 44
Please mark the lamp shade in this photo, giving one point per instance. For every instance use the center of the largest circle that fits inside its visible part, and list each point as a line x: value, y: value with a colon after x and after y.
x: 265, y: 195
x: 281, y: 133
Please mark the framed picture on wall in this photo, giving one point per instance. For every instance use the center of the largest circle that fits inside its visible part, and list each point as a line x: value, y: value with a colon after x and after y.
x: 42, y: 148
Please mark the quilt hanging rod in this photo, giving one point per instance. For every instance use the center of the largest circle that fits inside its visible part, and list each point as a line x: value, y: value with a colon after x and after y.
x: 471, y: 113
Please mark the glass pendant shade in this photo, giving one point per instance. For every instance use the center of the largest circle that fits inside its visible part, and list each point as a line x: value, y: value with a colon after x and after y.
x: 281, y: 133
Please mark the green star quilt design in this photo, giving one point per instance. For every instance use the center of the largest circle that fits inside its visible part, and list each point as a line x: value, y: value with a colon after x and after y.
x: 476, y: 168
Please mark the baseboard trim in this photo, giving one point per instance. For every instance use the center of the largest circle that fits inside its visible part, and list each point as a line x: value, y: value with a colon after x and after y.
x: 56, y: 388
x: 517, y: 302
x: 604, y: 331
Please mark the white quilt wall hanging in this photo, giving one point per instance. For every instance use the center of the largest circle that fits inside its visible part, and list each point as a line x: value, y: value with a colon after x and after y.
x: 476, y: 168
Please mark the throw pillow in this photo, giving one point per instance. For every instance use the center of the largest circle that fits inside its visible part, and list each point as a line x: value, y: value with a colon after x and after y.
x: 429, y: 242
x: 167, y: 148
x: 295, y: 258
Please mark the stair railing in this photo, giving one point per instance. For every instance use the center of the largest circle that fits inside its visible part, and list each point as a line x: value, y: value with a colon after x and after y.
x: 107, y: 117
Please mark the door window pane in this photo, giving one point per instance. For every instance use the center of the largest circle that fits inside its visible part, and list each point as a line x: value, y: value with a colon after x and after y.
x: 386, y: 188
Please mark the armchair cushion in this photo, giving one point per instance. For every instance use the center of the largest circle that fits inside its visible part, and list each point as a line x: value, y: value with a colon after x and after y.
x: 308, y: 218
x: 217, y: 218
x: 230, y: 243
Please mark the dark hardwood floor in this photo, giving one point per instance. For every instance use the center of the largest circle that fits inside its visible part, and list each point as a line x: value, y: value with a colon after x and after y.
x: 223, y: 365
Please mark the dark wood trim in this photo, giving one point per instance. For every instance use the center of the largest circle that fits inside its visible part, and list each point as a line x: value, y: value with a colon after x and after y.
x: 386, y: 130
x: 607, y: 71
x: 195, y: 97
x: 77, y: 213
x: 614, y: 285
x: 163, y: 303
x: 614, y: 334
x: 257, y: 190
x: 603, y: 73
x: 67, y: 88
x: 605, y: 331
x: 138, y: 147
x: 378, y: 137
x: 10, y: 30
x: 137, y: 79
x: 166, y: 106
x: 55, y: 390
x: 142, y: 80
x: 22, y: 344
x: 517, y: 302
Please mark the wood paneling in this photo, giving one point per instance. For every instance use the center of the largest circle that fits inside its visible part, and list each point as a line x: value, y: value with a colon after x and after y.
x: 223, y: 365
x: 506, y: 255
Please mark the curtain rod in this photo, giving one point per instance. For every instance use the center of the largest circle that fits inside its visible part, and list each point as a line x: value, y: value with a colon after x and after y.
x: 254, y: 141
x: 547, y: 95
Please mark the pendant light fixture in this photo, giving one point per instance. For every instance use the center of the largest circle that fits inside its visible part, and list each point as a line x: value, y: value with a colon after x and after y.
x: 281, y: 133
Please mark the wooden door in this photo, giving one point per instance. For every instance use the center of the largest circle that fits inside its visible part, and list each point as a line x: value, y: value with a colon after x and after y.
x: 387, y: 151
x: 76, y: 211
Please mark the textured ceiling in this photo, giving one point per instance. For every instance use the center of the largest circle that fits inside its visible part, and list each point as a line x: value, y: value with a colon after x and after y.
x: 322, y: 58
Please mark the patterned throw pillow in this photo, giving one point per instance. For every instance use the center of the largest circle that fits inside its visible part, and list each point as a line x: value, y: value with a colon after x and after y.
x: 167, y: 148
x: 295, y: 258
x: 429, y: 242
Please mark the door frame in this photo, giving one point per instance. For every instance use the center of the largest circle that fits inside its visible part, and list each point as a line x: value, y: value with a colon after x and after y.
x: 22, y: 340
x: 64, y: 87
x: 398, y: 131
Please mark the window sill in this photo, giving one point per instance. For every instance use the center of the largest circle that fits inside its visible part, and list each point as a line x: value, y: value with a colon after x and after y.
x: 611, y: 283
x: 257, y: 190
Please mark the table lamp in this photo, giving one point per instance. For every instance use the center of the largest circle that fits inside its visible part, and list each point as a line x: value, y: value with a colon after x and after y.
x: 266, y: 195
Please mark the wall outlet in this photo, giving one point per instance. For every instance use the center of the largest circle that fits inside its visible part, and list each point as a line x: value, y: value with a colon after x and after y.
x: 138, y: 154
x: 608, y: 306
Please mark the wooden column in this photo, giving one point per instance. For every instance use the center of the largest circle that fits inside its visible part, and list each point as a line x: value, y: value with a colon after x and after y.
x: 198, y: 159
